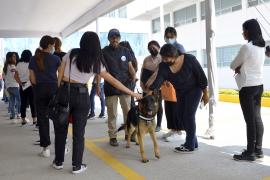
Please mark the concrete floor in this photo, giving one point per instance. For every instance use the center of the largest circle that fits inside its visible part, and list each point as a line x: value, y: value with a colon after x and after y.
x: 19, y: 158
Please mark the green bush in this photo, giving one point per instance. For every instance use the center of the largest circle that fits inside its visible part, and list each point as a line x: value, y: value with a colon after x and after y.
x: 235, y: 92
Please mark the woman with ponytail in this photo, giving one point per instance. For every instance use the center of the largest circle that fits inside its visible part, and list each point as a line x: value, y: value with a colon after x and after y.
x: 248, y: 67
x: 43, y: 69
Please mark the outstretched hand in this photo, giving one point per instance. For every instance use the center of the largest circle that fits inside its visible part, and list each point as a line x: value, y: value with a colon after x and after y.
x: 137, y: 96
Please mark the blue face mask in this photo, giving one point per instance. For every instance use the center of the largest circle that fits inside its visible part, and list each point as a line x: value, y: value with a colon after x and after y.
x: 170, y: 41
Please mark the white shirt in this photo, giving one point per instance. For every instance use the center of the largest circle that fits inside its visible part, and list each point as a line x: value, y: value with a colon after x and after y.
x: 22, y: 69
x: 251, y: 59
x: 9, y: 78
x: 75, y: 74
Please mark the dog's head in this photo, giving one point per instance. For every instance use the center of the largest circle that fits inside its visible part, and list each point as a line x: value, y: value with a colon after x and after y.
x: 148, y: 105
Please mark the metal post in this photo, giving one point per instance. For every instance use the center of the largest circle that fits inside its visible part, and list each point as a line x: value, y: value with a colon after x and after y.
x: 211, y: 64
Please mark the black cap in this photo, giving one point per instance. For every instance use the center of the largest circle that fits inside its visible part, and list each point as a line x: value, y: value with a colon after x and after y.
x: 114, y: 32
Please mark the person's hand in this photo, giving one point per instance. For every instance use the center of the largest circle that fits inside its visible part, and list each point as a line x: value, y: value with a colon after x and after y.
x: 205, y: 98
x: 98, y: 89
x: 137, y: 96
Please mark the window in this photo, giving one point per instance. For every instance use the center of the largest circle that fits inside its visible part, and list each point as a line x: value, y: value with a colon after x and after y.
x: 202, y: 4
x: 194, y: 53
x: 167, y: 20
x: 118, y: 13
x: 222, y: 7
x: 122, y: 12
x: 224, y: 55
x: 185, y: 16
x: 156, y: 25
x: 256, y: 2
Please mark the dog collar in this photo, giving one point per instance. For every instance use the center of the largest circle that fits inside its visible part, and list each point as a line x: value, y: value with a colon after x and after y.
x: 146, y: 119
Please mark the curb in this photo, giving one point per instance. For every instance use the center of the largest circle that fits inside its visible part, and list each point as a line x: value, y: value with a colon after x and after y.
x: 235, y: 99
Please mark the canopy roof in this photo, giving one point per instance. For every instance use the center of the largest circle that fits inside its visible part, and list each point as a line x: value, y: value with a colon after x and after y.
x: 30, y: 18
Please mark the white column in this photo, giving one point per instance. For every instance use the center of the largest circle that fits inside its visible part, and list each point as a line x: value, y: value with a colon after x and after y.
x: 244, y: 9
x: 171, y: 19
x: 97, y: 26
x: 211, y: 62
x: 161, y: 13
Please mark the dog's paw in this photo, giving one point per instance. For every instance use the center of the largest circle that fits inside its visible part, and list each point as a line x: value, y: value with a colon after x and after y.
x: 157, y: 156
x: 137, y: 144
x: 145, y: 160
x: 127, y: 146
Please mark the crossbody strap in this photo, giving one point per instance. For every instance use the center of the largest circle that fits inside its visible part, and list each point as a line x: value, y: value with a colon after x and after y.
x: 70, y: 61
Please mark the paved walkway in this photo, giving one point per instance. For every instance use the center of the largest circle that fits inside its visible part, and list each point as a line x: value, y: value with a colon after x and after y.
x: 213, y: 160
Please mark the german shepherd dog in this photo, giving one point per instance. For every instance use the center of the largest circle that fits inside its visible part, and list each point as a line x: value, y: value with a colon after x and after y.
x: 141, y: 120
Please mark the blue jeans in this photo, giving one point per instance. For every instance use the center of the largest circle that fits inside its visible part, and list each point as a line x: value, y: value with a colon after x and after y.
x: 15, y: 100
x: 92, y: 98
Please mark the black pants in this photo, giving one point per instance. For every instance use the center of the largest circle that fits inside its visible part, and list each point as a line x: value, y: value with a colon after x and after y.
x: 173, y: 121
x: 79, y: 108
x: 44, y: 92
x: 250, y: 100
x: 27, y: 97
x: 187, y: 105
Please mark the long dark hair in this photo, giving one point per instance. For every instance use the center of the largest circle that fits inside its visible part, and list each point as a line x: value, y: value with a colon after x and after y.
x: 39, y: 54
x: 8, y: 61
x: 88, y: 57
x: 26, y: 56
x: 254, y: 32
x: 168, y: 50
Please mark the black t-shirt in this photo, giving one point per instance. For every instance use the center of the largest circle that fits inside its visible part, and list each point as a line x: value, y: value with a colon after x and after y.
x: 60, y: 55
x: 51, y: 63
x: 190, y: 76
x: 117, y: 62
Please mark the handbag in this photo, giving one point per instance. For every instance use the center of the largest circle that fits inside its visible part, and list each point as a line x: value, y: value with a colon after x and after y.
x: 58, y: 112
x: 168, y: 92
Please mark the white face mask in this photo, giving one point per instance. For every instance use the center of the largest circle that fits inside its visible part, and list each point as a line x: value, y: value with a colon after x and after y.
x: 52, y: 50
x: 170, y: 41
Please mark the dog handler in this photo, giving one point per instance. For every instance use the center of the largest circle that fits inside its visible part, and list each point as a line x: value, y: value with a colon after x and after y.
x: 190, y: 82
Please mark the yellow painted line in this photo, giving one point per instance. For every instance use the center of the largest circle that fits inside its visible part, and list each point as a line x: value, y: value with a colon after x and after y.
x: 266, y: 178
x: 235, y: 99
x: 115, y: 164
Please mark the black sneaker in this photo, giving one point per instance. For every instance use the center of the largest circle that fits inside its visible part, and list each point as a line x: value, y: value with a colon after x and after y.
x: 91, y: 116
x: 57, y: 165
x: 79, y: 169
x: 183, y: 149
x: 101, y: 115
x: 157, y: 129
x: 244, y: 156
x: 113, y: 142
x: 259, y: 153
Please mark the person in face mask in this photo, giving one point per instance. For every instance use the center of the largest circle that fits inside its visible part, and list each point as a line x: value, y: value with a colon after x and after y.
x: 185, y: 73
x: 43, y: 70
x: 148, y: 75
x: 170, y: 37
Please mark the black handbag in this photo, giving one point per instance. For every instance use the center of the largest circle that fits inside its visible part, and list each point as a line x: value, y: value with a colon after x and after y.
x: 58, y: 112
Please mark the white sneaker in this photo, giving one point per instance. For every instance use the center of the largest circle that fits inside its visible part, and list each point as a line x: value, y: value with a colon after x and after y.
x: 168, y: 134
x: 77, y: 170
x: 174, y: 137
x: 18, y: 116
x: 45, y: 153
x: 209, y: 134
